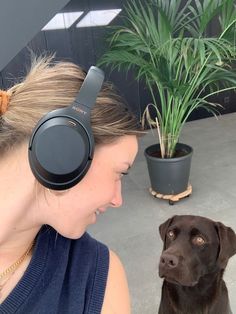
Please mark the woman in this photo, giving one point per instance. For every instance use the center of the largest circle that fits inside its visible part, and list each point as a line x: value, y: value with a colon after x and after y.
x: 48, y: 263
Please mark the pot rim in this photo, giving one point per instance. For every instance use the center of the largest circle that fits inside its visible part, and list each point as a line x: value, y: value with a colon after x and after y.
x: 173, y: 159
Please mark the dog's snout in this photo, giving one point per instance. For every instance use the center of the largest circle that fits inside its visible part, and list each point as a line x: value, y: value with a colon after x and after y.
x: 169, y: 260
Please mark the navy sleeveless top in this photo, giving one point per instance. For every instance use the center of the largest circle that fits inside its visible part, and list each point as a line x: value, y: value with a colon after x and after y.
x: 64, y: 276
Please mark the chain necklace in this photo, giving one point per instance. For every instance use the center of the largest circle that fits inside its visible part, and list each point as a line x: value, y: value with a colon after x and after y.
x: 5, y: 282
x: 8, y: 273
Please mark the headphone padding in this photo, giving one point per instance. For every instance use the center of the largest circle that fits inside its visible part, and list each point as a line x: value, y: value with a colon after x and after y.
x: 60, y: 153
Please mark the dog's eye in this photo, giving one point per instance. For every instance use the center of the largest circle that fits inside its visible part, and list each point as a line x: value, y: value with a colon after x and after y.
x: 198, y: 240
x: 171, y: 234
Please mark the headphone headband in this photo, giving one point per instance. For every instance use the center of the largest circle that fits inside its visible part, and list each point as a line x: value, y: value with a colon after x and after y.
x: 90, y: 88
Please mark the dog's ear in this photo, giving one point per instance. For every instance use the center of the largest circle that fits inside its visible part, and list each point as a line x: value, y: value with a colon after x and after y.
x: 227, y: 239
x: 164, y: 226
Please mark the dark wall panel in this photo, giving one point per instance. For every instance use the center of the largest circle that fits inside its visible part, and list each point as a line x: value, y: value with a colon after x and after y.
x: 1, y: 81
x: 16, y: 68
x: 59, y: 42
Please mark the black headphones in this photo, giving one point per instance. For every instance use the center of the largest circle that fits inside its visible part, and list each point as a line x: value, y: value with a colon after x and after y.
x: 62, y: 144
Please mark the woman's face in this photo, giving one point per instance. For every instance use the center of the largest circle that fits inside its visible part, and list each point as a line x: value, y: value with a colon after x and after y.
x: 70, y: 212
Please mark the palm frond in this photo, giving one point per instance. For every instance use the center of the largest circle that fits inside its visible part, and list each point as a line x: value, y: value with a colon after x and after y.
x: 227, y: 14
x: 166, y: 44
x: 203, y: 12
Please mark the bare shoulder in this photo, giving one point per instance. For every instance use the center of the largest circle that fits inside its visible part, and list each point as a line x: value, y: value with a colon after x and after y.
x: 116, y: 299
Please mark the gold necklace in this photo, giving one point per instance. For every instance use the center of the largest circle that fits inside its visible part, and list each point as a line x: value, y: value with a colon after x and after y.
x: 11, y: 270
x: 5, y: 282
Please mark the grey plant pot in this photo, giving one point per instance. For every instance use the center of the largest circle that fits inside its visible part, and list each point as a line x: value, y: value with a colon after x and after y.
x: 169, y: 175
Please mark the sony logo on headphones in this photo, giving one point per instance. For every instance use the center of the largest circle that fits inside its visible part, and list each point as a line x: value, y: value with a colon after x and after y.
x: 79, y: 110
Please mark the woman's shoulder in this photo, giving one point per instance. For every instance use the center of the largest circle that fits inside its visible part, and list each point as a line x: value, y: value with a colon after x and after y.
x: 110, y: 269
x: 116, y: 299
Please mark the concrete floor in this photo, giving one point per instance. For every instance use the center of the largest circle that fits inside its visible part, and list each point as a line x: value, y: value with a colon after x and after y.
x: 132, y: 230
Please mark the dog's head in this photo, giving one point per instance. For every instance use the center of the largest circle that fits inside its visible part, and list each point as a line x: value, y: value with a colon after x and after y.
x: 194, y: 246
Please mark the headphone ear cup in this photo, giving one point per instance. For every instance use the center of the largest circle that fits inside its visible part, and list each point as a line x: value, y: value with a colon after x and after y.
x: 62, y: 144
x: 60, y: 152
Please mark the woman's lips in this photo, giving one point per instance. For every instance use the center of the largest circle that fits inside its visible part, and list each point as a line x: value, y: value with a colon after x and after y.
x: 100, y: 210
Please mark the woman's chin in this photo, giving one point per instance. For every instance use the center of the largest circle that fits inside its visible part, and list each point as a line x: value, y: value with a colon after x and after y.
x: 73, y: 235
x: 77, y: 232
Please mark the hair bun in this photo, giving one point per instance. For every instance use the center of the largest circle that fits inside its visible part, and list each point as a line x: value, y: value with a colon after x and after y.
x: 4, y: 101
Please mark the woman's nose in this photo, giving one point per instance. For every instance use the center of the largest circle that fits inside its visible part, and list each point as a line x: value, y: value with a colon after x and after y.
x: 117, y: 197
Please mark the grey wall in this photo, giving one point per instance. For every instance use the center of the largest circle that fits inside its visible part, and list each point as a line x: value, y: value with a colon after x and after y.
x: 20, y: 21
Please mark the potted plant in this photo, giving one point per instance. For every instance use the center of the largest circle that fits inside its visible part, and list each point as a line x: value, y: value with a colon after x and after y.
x: 167, y: 43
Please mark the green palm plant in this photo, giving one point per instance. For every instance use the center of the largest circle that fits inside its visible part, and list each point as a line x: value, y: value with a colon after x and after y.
x: 168, y: 46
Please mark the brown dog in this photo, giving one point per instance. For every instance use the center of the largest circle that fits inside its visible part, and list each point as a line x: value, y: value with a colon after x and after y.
x: 195, y: 254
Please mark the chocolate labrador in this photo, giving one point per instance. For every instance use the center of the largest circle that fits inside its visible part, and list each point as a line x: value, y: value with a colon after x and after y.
x: 195, y: 254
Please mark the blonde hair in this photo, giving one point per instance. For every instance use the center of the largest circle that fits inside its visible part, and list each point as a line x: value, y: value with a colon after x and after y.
x: 50, y: 85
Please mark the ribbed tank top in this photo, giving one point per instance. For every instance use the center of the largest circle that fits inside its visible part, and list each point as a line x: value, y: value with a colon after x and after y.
x: 64, y: 276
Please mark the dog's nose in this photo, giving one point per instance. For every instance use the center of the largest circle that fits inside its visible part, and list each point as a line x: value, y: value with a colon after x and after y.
x: 169, y: 260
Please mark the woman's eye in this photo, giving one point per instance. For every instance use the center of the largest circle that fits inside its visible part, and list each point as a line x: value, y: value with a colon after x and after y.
x: 198, y: 240
x: 171, y: 234
x: 123, y: 174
